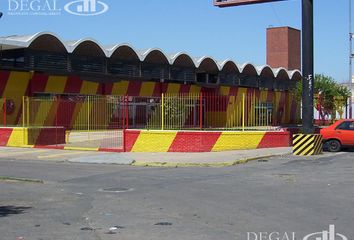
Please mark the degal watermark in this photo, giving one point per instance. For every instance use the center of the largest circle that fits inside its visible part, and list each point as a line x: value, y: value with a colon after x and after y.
x: 56, y: 7
x: 271, y: 236
x: 324, y: 235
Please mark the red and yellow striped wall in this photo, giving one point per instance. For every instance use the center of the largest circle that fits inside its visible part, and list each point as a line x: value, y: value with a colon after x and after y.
x: 32, y: 137
x: 152, y: 141
x: 14, y: 85
x: 180, y: 141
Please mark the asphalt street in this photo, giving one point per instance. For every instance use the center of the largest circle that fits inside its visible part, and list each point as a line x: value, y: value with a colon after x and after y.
x: 83, y: 201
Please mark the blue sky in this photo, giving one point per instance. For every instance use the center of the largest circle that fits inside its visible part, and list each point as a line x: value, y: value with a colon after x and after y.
x: 199, y: 28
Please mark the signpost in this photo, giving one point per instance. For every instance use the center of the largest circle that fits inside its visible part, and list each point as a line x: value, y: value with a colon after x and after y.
x: 307, y: 56
x: 229, y: 3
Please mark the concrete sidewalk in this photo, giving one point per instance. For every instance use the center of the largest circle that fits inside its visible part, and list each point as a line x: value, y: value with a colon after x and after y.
x: 209, y: 159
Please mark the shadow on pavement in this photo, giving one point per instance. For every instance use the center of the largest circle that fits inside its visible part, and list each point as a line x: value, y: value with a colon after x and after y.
x: 12, y: 210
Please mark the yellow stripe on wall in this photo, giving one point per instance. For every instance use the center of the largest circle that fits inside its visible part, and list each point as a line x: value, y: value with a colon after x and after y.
x: 120, y: 88
x: 173, y: 88
x: 16, y: 88
x: 56, y: 84
x: 151, y: 141
x: 236, y: 141
x: 225, y: 91
x: 147, y: 89
x: 89, y: 87
x: 263, y: 96
x: 18, y: 138
x: 194, y: 89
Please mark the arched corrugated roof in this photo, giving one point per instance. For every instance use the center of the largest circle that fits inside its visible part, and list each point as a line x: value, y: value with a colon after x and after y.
x: 265, y: 71
x: 26, y: 40
x: 154, y: 55
x: 295, y: 75
x: 207, y: 63
x: 229, y: 65
x: 123, y: 51
x: 47, y: 42
x: 248, y: 69
x: 281, y: 73
x: 15, y: 41
x: 87, y: 45
x: 177, y: 57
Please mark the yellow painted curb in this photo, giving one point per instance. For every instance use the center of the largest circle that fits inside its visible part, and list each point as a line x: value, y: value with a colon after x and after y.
x: 184, y: 165
x: 81, y: 149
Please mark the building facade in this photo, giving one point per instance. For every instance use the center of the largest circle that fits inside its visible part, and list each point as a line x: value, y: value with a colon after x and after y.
x: 43, y: 65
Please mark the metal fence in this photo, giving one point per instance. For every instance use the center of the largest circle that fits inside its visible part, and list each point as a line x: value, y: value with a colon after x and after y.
x: 98, y: 122
x: 89, y: 121
x: 167, y: 112
x: 211, y: 112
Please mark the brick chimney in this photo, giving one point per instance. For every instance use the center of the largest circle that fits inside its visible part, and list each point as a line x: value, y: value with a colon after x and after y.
x: 284, y: 48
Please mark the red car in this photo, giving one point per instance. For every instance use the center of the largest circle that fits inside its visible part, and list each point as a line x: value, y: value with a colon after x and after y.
x: 338, y: 135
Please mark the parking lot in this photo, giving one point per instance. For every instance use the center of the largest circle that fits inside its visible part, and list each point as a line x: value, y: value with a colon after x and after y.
x: 45, y: 199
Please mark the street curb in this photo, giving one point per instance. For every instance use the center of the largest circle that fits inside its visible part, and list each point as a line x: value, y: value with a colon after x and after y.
x: 219, y: 164
x: 16, y: 179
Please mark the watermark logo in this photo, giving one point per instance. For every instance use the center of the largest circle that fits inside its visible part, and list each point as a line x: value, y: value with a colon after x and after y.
x: 326, y: 235
x: 86, y: 7
x: 33, y: 7
x: 53, y: 8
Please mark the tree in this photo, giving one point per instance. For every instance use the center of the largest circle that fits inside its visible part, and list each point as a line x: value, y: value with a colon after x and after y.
x: 330, y: 96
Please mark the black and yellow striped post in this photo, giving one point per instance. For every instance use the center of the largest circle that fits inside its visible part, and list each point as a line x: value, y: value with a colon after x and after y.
x: 307, y: 144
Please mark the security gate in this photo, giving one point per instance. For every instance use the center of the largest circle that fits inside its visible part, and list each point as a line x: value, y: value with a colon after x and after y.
x: 77, y: 122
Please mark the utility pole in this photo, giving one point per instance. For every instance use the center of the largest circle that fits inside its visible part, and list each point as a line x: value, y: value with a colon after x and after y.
x: 350, y: 61
x: 307, y: 56
x: 307, y: 67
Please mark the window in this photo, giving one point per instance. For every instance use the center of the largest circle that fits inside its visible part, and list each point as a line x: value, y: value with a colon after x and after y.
x: 348, y: 125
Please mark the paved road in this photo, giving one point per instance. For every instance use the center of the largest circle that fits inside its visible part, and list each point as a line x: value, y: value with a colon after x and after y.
x: 288, y: 194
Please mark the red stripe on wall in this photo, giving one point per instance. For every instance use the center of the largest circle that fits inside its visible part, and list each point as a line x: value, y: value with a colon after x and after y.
x: 275, y: 139
x: 100, y: 89
x: 134, y: 88
x: 194, y: 141
x: 163, y: 88
x: 107, y: 88
x: 5, y: 134
x: 257, y: 93
x: 210, y: 91
x: 294, y: 107
x: 130, y: 137
x: 184, y: 89
x: 281, y: 108
x: 4, y: 76
x: 159, y: 89
x: 270, y: 95
x: 73, y: 85
x: 66, y: 106
x: 50, y: 137
x: 233, y: 91
x: 38, y: 83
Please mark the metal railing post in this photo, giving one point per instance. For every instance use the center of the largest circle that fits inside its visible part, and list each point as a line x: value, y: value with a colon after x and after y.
x: 127, y: 112
x: 243, y: 112
x: 28, y: 112
x: 88, y: 117
x: 23, y: 120
x: 201, y: 110
x: 5, y: 112
x: 162, y: 112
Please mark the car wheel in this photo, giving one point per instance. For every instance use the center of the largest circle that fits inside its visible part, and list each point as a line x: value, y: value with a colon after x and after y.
x: 334, y: 146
